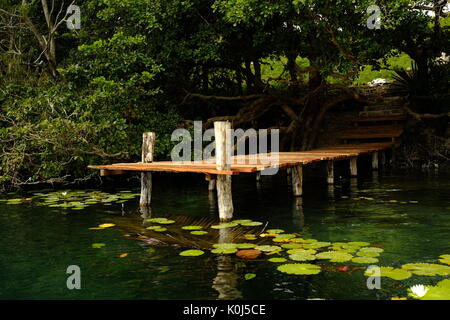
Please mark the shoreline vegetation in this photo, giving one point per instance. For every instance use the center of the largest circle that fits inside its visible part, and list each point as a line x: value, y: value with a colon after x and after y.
x: 74, y: 97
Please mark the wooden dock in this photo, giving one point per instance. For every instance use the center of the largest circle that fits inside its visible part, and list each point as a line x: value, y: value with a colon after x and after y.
x: 218, y: 171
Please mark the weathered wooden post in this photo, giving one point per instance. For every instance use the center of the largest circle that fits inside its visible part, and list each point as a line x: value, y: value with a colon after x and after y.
x: 375, y: 161
x: 383, y: 159
x: 330, y: 171
x: 148, y: 146
x: 297, y: 180
x: 354, y: 166
x: 222, y: 131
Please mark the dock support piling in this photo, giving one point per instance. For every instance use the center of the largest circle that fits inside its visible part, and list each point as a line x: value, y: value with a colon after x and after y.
x: 297, y: 180
x: 375, y: 161
x: 330, y: 172
x: 354, y: 166
x: 383, y: 158
x: 222, y: 130
x: 148, y: 146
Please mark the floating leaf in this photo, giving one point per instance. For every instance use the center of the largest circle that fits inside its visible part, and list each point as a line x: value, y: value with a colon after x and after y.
x: 267, y: 248
x: 192, y: 227
x: 299, y: 268
x: 389, y: 272
x: 439, y: 292
x: 98, y: 245
x: 251, y: 224
x: 276, y: 231
x: 163, y: 269
x: 445, y: 258
x: 225, y: 225
x: 191, y: 253
x: 302, y: 256
x: 316, y: 245
x: 364, y: 260
x: 150, y: 250
x: 277, y: 260
x: 301, y: 250
x: 427, y: 269
x: 292, y: 245
x: 250, y: 237
x: 239, y: 221
x: 106, y: 225
x: 123, y: 255
x: 161, y: 220
x: 249, y: 276
x: 335, y: 256
x: 248, y: 254
x: 224, y: 250
x: 199, y: 233
x: 245, y: 245
x: 161, y: 229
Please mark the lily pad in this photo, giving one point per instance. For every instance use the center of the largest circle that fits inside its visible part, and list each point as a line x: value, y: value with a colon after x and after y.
x: 245, y: 245
x: 248, y: 254
x: 98, y: 245
x: 292, y: 245
x: 277, y: 260
x: 251, y: 224
x: 302, y: 256
x: 224, y: 250
x: 276, y: 231
x: 106, y: 225
x: 161, y: 220
x: 199, y: 233
x: 225, y: 225
x: 364, y: 260
x: 192, y: 227
x: 439, y: 292
x: 249, y: 276
x: 267, y: 248
x: 160, y: 229
x: 335, y: 256
x: 301, y: 250
x: 299, y: 268
x: 389, y: 272
x: 427, y: 269
x: 316, y: 245
x: 445, y: 258
x: 192, y: 253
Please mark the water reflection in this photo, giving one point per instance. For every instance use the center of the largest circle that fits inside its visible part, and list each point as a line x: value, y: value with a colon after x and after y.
x: 298, y: 216
x: 226, y: 280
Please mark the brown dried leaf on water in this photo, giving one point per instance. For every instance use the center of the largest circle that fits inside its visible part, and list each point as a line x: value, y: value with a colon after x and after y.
x: 248, y: 254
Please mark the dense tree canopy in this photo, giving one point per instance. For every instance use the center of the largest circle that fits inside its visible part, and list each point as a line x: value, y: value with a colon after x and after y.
x: 72, y: 97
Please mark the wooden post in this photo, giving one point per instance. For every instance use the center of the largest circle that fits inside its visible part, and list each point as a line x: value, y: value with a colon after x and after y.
x: 297, y: 180
x: 330, y: 171
x: 375, y: 161
x: 354, y: 166
x: 383, y: 158
x: 222, y: 130
x: 148, y: 145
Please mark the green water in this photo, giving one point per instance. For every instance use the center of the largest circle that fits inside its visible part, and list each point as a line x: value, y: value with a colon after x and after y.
x: 39, y: 243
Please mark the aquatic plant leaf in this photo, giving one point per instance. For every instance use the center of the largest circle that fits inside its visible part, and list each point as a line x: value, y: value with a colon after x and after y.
x: 445, y: 258
x: 192, y: 227
x: 439, y: 292
x: 199, y: 233
x: 299, y: 268
x: 251, y: 224
x: 372, y: 249
x: 225, y: 245
x: 302, y: 256
x: 150, y: 250
x: 250, y: 237
x: 292, y: 245
x: 335, y: 256
x: 389, y: 272
x: 161, y: 220
x: 427, y: 269
x: 267, y: 248
x: 276, y: 231
x: 249, y: 276
x: 106, y: 225
x: 239, y: 221
x: 284, y: 236
x: 364, y: 260
x: 358, y: 244
x: 277, y: 260
x: 160, y: 229
x: 301, y: 250
x: 248, y: 254
x: 163, y: 269
x: 123, y: 255
x: 245, y: 245
x: 98, y: 245
x: 316, y: 245
x: 153, y: 227
x: 225, y: 225
x: 191, y: 253
x: 224, y: 250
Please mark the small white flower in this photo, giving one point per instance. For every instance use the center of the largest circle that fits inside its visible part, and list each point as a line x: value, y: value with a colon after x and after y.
x: 418, y: 291
x: 64, y: 193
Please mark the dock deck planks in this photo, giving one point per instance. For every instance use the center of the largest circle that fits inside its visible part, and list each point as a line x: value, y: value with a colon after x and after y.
x: 252, y: 163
